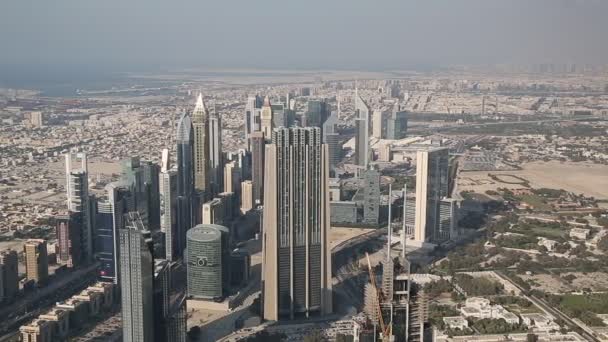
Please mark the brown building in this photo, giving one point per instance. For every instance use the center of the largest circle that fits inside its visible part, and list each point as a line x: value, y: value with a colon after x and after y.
x: 9, y: 279
x: 68, y: 239
x: 36, y: 260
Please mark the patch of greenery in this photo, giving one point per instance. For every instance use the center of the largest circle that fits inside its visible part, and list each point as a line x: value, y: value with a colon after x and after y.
x: 497, y: 326
x: 478, y: 286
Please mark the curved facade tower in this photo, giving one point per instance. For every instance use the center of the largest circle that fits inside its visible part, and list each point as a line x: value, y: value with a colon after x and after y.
x: 207, y: 261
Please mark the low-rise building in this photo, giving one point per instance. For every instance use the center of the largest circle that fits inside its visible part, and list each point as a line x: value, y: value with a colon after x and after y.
x: 579, y: 233
x: 539, y: 322
x: 456, y: 322
x: 38, y: 330
x: 61, y: 328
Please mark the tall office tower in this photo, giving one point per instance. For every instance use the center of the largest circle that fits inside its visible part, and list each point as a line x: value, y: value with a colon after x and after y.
x: 9, y: 263
x: 152, y: 192
x: 136, y: 280
x: 216, y: 162
x: 296, y: 252
x: 278, y: 115
x: 77, y: 186
x: 332, y: 139
x: 232, y: 178
x: 396, y: 124
x: 257, y: 166
x: 177, y: 321
x: 185, y: 183
x: 108, y: 220
x: 371, y: 196
x: 208, y: 261
x: 266, y: 119
x: 133, y: 177
x: 252, y: 118
x: 431, y: 186
x: 379, y: 123
x: 361, y: 132
x: 36, y: 260
x: 68, y: 229
x: 317, y: 113
x: 201, y: 149
x: 246, y: 196
x: 162, y: 298
x: 168, y: 208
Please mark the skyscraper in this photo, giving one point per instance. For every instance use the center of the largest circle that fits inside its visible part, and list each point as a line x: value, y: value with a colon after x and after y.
x: 252, y: 118
x: 169, y: 307
x: 9, y: 263
x: 257, y: 166
x: 36, y: 261
x: 168, y: 208
x: 216, y: 161
x: 332, y: 139
x: 266, y: 119
x: 361, y: 132
x: 133, y: 178
x: 136, y: 280
x: 232, y: 178
x: 431, y: 186
x: 371, y: 196
x: 185, y: 183
x: 68, y: 230
x: 201, y: 149
x: 77, y: 186
x: 297, y: 260
x: 318, y: 111
x: 396, y: 124
x: 152, y: 192
x: 246, y: 196
x: 208, y: 261
x: 109, y: 220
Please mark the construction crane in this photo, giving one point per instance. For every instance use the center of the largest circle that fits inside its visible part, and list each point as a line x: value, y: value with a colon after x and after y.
x: 386, y: 330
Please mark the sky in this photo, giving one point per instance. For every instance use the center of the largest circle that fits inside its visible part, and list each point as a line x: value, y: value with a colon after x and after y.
x: 299, y: 34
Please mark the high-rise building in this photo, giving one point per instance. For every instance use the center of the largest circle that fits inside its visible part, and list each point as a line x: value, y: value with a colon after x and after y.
x: 252, y: 117
x: 185, y: 172
x: 152, y: 192
x: 266, y: 119
x: 208, y: 261
x: 396, y: 124
x: 77, y: 186
x: 246, y: 196
x: 431, y: 186
x: 331, y: 138
x: 36, y: 119
x: 232, y: 178
x: 68, y: 230
x: 257, y: 166
x: 448, y: 217
x: 133, y: 177
x: 371, y: 196
x: 108, y: 221
x: 168, y: 208
x: 379, y: 123
x: 201, y: 149
x: 136, y: 280
x: 317, y: 113
x: 9, y: 278
x: 361, y: 132
x: 216, y: 162
x: 296, y: 251
x: 36, y: 261
x: 169, y: 309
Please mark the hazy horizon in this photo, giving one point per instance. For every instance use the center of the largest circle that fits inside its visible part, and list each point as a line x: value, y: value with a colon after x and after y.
x: 270, y: 34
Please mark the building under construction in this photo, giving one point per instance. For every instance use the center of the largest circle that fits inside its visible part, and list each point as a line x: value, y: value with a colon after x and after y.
x: 397, y: 310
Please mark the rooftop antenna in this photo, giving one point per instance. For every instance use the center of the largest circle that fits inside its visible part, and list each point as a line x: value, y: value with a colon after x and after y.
x: 390, y: 226
x: 404, y: 233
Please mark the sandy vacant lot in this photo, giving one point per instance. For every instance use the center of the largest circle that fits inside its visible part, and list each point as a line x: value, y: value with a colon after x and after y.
x: 585, y: 178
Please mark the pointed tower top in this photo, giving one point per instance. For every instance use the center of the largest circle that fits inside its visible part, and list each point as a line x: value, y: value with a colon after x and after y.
x: 199, y: 108
x: 266, y: 101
